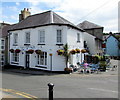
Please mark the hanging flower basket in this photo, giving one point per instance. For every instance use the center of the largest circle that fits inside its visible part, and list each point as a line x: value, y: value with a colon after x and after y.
x: 17, y: 50
x: 73, y: 51
x: 83, y: 51
x: 77, y: 50
x: 30, y: 51
x: 11, y: 50
x: 60, y: 52
x: 38, y: 52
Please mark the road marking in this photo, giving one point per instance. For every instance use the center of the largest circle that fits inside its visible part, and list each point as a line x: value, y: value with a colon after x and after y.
x: 104, y: 90
x: 23, y: 94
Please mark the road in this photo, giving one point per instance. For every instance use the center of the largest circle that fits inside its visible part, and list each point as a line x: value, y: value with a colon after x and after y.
x: 76, y: 85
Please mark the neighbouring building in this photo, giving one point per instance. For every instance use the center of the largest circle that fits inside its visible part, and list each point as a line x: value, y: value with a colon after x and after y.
x: 4, y: 43
x: 35, y: 40
x: 112, y: 43
x: 97, y: 32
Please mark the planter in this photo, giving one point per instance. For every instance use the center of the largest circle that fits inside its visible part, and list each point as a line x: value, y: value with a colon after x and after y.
x: 83, y: 51
x: 38, y: 52
x: 60, y: 52
x: 68, y: 70
x: 11, y: 50
x: 77, y: 50
x: 17, y: 51
x: 30, y: 51
x: 73, y: 51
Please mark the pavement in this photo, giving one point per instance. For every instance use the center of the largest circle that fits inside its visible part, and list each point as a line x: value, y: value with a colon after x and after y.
x: 5, y: 94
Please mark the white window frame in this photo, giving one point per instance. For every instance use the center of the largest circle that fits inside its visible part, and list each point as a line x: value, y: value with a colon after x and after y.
x: 42, y: 59
x: 15, y: 57
x: 59, y: 36
x: 41, y: 36
x: 27, y: 38
x: 15, y: 40
x: 78, y: 37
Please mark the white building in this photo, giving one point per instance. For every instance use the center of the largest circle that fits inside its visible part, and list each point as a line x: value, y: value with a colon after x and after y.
x: 47, y: 32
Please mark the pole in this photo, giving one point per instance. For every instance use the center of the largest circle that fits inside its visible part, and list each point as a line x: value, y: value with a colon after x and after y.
x: 51, y: 85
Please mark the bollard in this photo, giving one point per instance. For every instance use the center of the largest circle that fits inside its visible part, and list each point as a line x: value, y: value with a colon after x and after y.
x: 51, y: 85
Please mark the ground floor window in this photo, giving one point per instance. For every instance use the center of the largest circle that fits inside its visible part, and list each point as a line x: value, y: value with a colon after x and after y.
x: 15, y: 57
x: 2, y: 60
x: 42, y: 58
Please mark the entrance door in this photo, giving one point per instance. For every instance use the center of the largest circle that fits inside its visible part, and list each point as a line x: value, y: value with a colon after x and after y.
x: 27, y: 60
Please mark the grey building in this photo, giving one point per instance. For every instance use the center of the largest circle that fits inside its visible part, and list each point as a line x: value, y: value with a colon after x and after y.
x: 96, y: 31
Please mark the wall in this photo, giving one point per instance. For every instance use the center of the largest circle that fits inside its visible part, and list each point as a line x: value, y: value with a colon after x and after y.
x: 112, y: 46
x: 58, y: 62
x: 90, y: 42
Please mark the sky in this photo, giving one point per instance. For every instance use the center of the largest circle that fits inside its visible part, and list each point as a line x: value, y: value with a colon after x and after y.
x: 100, y: 12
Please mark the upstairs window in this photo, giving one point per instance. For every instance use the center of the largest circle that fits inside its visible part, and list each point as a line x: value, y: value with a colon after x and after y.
x: 15, y: 39
x: 78, y: 37
x: 59, y: 36
x: 27, y: 40
x: 41, y: 37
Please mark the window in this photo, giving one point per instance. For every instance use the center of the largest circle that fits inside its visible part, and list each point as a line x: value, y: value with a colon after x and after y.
x: 78, y: 37
x: 41, y: 36
x: 59, y: 36
x: 15, y: 38
x: 42, y: 59
x: 15, y: 57
x: 2, y: 44
x: 27, y: 37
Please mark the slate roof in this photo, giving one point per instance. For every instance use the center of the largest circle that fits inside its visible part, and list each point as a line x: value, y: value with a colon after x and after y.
x: 88, y: 25
x: 117, y: 36
x: 43, y: 19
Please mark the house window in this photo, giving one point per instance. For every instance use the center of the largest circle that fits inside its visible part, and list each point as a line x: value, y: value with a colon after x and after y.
x: 41, y: 36
x: 2, y: 44
x: 15, y: 57
x: 15, y: 39
x: 42, y: 59
x: 27, y: 37
x: 59, y: 36
x: 78, y: 37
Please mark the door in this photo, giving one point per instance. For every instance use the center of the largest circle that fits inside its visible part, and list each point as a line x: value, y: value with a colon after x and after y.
x: 27, y: 60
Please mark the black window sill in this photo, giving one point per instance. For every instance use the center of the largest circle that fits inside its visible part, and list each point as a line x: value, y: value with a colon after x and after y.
x: 14, y: 63
x: 15, y: 45
x: 41, y: 44
x: 26, y: 44
x: 78, y: 41
x: 41, y: 67
x: 59, y: 44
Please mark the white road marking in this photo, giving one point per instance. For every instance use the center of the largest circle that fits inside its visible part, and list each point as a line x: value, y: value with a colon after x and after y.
x: 104, y: 90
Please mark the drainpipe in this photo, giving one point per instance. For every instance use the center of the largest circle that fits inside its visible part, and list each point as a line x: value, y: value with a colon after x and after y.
x: 9, y: 33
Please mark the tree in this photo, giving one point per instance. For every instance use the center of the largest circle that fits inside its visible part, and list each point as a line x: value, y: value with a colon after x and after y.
x: 66, y: 54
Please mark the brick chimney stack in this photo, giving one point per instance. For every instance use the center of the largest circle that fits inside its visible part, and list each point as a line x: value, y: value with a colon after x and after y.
x: 24, y: 13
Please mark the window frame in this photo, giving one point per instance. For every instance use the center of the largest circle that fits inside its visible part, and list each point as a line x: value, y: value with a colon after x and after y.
x: 27, y: 40
x: 42, y: 59
x: 59, y: 37
x: 41, y: 36
x: 15, y: 57
x: 78, y: 37
x: 15, y: 39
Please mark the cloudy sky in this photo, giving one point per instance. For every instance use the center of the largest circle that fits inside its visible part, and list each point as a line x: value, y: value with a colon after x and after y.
x: 101, y: 12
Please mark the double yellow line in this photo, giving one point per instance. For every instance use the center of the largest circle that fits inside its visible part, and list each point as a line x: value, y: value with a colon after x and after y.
x: 23, y: 94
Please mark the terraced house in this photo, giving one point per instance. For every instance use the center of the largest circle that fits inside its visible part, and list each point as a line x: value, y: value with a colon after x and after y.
x: 35, y: 40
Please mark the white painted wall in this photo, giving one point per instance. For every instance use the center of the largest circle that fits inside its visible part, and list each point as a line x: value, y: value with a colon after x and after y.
x: 90, y: 42
x: 58, y: 62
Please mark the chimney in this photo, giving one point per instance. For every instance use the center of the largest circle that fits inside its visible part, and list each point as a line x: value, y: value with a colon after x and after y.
x: 24, y: 14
